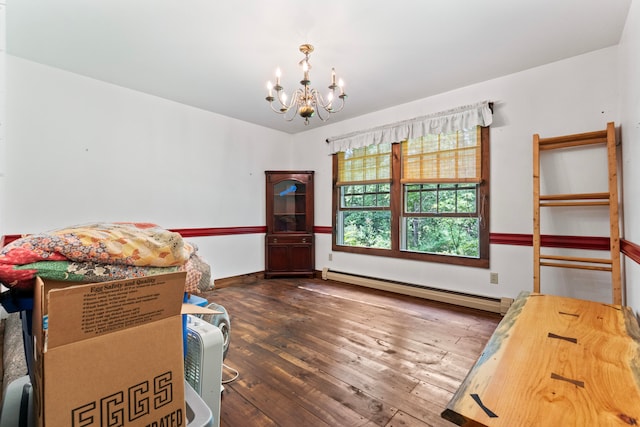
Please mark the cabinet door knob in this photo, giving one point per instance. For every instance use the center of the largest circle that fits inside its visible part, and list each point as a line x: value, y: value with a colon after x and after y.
x: 275, y: 240
x: 304, y: 240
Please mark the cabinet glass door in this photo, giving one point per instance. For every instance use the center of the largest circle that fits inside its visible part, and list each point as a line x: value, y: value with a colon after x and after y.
x: 289, y: 207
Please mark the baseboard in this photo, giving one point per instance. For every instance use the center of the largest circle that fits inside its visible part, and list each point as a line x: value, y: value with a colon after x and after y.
x: 494, y: 305
x: 248, y: 279
x: 243, y: 279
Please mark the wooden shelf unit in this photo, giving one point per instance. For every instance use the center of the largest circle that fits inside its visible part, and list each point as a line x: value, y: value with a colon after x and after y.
x: 610, y: 198
x: 289, y: 243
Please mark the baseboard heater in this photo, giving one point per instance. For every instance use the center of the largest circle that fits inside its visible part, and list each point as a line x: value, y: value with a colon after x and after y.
x: 495, y: 305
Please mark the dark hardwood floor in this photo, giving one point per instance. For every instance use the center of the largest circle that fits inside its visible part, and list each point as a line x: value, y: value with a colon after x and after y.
x: 320, y: 353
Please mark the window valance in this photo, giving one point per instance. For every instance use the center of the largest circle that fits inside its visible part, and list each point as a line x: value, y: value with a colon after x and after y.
x: 465, y: 117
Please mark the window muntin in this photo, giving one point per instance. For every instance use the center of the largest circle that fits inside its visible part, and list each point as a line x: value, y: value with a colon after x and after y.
x: 365, y: 196
x: 454, y: 198
x: 364, y: 214
x: 433, y: 199
x: 441, y: 219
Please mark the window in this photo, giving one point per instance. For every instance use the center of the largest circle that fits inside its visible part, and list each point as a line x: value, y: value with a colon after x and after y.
x: 425, y: 199
x: 365, y: 196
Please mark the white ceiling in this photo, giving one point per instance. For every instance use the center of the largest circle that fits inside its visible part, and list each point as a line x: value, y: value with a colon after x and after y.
x: 218, y: 55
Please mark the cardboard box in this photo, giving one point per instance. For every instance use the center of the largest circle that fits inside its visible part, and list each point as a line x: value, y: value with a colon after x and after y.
x: 109, y: 354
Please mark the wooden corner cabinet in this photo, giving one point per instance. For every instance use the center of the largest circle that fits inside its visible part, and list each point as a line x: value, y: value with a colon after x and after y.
x: 289, y: 244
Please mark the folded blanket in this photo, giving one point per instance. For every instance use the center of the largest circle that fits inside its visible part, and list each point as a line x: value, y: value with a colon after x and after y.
x: 101, y: 252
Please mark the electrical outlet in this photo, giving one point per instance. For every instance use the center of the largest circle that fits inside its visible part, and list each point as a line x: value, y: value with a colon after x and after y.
x: 493, y: 278
x: 330, y: 256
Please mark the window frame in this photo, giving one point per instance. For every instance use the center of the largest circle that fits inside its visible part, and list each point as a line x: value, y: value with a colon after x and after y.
x: 397, y: 210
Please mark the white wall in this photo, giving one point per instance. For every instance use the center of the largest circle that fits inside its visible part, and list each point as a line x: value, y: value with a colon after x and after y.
x: 3, y: 46
x: 571, y: 96
x: 3, y: 93
x: 630, y: 120
x: 82, y: 150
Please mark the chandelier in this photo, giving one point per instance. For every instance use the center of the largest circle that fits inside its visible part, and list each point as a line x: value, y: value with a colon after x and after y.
x: 306, y: 101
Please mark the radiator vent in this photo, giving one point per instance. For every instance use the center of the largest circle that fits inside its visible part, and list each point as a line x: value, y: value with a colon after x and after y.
x: 494, y: 305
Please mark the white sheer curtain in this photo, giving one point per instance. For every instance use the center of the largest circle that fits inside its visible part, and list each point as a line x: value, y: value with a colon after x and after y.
x: 465, y: 117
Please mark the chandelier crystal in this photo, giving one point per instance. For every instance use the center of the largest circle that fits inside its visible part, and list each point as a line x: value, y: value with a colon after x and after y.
x: 306, y: 101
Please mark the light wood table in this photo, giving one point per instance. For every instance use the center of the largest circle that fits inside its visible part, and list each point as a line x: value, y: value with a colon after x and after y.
x: 555, y: 361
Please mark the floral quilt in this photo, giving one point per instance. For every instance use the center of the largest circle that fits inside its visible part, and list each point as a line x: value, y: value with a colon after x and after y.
x: 101, y: 252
